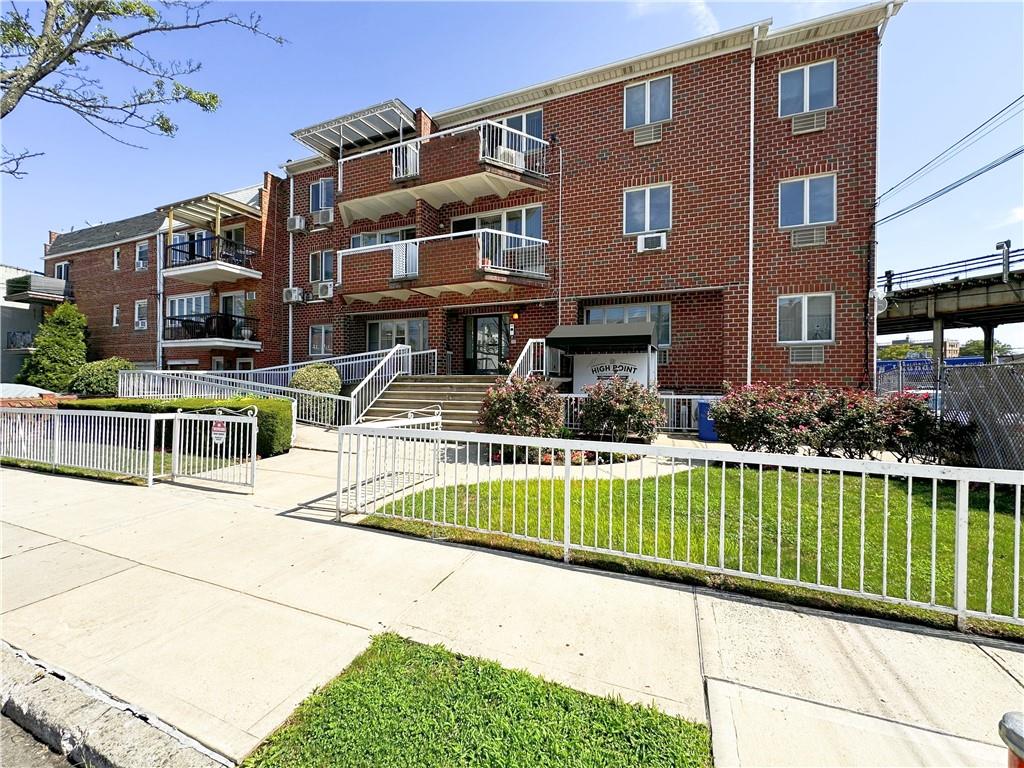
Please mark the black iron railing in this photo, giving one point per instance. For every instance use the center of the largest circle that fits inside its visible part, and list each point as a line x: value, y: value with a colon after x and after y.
x: 207, y: 249
x: 211, y: 325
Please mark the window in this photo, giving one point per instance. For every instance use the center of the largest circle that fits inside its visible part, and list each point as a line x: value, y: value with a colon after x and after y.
x: 531, y: 123
x: 141, y: 314
x: 807, y: 89
x: 115, y: 316
x: 365, y: 239
x: 321, y: 195
x: 192, y: 304
x: 321, y: 266
x: 648, y: 209
x: 519, y: 221
x: 649, y: 102
x: 659, y: 314
x: 320, y: 339
x: 244, y: 364
x: 806, y: 318
x: 384, y: 334
x: 807, y: 202
x: 117, y: 259
x: 142, y: 256
x: 235, y: 234
x: 62, y: 271
x: 217, y: 363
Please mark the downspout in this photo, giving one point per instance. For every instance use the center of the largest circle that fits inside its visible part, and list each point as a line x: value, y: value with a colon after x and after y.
x: 750, y: 216
x: 291, y: 263
x: 558, y: 319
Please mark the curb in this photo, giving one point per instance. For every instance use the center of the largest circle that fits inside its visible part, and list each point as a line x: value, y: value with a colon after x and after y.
x: 93, y: 730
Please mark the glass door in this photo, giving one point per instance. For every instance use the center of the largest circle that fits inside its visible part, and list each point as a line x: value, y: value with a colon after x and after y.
x: 489, y: 343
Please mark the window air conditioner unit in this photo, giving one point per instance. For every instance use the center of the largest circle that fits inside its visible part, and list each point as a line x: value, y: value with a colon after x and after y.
x: 814, y: 353
x: 806, y: 236
x: 509, y: 156
x: 646, y: 134
x: 324, y: 290
x: 291, y: 295
x: 296, y: 223
x: 323, y: 218
x: 651, y: 242
x: 140, y: 325
x: 808, y: 122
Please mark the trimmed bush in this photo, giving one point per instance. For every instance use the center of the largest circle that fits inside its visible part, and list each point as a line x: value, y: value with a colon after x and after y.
x: 273, y: 416
x: 618, y: 409
x: 529, y: 407
x: 317, y: 377
x: 59, y: 352
x: 99, y: 378
x: 848, y: 423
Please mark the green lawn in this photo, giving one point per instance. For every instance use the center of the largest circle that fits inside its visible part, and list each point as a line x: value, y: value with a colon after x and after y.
x: 666, y: 519
x: 409, y: 705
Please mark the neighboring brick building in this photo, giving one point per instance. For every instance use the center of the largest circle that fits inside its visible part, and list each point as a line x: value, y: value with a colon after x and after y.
x: 722, y: 189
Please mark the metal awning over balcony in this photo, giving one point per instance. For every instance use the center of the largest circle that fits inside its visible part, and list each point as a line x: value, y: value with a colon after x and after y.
x: 369, y: 127
x: 37, y: 289
x: 211, y: 259
x: 207, y: 210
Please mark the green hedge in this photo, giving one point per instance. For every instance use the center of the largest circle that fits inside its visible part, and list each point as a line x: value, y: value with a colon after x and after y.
x: 274, y: 417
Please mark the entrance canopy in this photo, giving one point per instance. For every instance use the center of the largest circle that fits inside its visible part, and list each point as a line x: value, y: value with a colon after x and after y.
x: 599, y: 339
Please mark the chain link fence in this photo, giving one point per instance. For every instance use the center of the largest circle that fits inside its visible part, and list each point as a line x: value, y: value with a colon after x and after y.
x: 991, y: 396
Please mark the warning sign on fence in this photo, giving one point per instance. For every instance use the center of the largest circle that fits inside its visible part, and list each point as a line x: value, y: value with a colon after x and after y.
x: 218, y: 432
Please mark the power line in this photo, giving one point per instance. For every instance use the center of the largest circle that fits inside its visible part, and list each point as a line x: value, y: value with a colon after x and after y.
x: 1014, y: 107
x: 950, y: 187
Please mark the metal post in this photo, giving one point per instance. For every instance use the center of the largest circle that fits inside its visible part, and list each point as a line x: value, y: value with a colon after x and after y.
x: 175, y: 443
x: 566, y: 499
x: 255, y: 428
x: 151, y: 441
x: 989, y: 344
x: 56, y: 437
x: 960, y: 566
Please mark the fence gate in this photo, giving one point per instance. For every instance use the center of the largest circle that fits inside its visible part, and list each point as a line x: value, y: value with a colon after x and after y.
x: 217, y: 447
x: 992, y: 397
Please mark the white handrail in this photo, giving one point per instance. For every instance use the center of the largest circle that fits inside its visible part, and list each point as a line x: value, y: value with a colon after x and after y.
x: 525, y: 365
x: 396, y: 362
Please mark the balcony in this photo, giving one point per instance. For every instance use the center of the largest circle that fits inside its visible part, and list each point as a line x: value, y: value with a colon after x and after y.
x: 210, y: 260
x: 461, y: 262
x: 461, y: 164
x: 211, y: 330
x: 38, y: 289
x: 19, y: 341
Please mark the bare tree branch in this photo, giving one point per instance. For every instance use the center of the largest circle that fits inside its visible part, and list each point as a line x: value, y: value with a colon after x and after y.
x: 10, y: 163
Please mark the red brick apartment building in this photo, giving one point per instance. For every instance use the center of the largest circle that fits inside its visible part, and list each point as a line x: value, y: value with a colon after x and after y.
x: 722, y: 189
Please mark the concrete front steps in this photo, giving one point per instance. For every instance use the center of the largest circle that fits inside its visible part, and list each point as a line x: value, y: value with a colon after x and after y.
x: 458, y: 396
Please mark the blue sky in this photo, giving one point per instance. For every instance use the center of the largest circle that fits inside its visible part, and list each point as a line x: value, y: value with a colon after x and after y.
x: 945, y: 67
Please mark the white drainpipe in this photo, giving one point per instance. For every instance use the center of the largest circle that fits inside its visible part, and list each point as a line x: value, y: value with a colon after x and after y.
x: 160, y: 244
x: 291, y: 262
x: 750, y: 222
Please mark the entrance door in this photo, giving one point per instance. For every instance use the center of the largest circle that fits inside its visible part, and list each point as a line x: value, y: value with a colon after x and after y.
x: 489, y: 343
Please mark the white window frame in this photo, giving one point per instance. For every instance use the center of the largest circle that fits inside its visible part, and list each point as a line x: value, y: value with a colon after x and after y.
x: 625, y: 307
x: 213, y: 362
x: 320, y: 266
x: 197, y: 295
x: 234, y: 228
x: 504, y: 121
x: 647, y: 102
x: 379, y: 233
x: 503, y: 212
x: 319, y: 183
x: 807, y: 201
x: 807, y: 87
x: 138, y: 248
x: 117, y: 260
x: 247, y: 361
x: 804, y: 341
x: 647, y: 209
x: 396, y: 320
x: 115, y: 316
x: 323, y: 352
x: 61, y: 270
x: 143, y: 316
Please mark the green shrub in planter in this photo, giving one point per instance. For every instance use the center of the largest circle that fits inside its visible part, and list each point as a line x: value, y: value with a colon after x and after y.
x: 530, y: 407
x: 99, y: 378
x: 317, y: 377
x: 618, y: 408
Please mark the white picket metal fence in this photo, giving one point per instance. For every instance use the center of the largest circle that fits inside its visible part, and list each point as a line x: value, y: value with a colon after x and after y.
x: 933, y: 537
x: 217, y: 447
x: 350, y: 368
x: 537, y: 358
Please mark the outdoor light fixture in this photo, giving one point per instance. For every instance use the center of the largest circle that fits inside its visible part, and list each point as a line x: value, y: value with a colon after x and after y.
x: 515, y: 315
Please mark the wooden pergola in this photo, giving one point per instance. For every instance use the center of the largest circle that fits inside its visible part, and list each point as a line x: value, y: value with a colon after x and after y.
x: 206, y: 211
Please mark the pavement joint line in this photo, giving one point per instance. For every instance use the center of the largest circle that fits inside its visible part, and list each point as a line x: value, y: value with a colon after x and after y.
x: 200, y: 581
x: 76, y: 586
x: 999, y: 663
x: 98, y: 694
x: 700, y: 660
x: 846, y: 710
x: 56, y: 540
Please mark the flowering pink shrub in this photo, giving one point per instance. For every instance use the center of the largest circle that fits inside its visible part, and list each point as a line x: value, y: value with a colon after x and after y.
x: 529, y: 407
x: 833, y: 421
x: 619, y: 408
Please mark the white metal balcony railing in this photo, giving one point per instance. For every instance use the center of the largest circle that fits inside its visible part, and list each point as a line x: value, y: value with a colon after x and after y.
x: 499, y: 144
x: 496, y: 251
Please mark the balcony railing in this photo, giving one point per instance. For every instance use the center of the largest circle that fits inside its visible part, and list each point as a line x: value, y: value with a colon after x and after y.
x: 211, y: 325
x: 209, y: 249
x: 16, y: 341
x: 496, y: 252
x: 37, y: 288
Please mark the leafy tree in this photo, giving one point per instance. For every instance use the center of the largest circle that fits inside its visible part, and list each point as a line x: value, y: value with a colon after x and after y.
x: 900, y: 351
x: 976, y: 348
x: 59, y: 352
x: 48, y: 59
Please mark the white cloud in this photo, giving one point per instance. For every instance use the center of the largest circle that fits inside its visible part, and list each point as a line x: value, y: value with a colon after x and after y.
x: 699, y: 11
x: 1016, y: 216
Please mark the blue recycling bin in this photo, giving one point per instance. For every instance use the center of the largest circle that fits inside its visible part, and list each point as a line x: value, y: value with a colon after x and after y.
x: 705, y: 424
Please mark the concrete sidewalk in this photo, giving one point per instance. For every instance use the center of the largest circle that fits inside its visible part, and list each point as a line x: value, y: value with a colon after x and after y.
x: 219, y: 612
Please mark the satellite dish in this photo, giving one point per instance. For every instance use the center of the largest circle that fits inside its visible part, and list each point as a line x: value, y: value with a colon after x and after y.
x: 881, y: 304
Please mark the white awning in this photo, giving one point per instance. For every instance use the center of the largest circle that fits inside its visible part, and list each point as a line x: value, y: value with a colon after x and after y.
x: 359, y: 130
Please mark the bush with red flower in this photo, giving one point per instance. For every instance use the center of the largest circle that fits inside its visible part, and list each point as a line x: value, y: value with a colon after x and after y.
x: 618, y: 409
